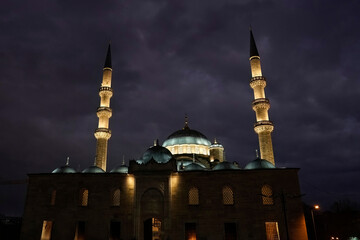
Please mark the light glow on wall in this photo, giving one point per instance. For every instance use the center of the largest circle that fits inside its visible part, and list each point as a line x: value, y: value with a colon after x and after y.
x: 130, y: 181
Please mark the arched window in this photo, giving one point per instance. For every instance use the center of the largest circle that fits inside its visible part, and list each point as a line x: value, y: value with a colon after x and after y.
x: 116, y: 198
x: 194, y: 196
x: 267, y: 195
x: 84, y: 195
x: 228, y: 195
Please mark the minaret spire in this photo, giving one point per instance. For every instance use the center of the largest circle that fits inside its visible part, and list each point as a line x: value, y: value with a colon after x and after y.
x: 253, y: 48
x: 104, y: 113
x: 108, y: 58
x: 261, y: 105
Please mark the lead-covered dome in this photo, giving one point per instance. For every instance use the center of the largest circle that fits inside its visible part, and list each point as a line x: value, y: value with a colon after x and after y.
x: 226, y: 166
x: 120, y: 169
x: 186, y: 136
x: 93, y: 169
x: 194, y: 167
x: 64, y: 169
x: 158, y: 153
x: 259, y: 164
x: 187, y: 141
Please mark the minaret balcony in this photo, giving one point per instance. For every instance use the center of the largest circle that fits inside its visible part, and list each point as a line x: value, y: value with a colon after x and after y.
x: 258, y: 78
x: 104, y: 112
x: 102, y: 133
x: 263, y: 126
x: 259, y: 103
x: 106, y: 91
x: 258, y: 81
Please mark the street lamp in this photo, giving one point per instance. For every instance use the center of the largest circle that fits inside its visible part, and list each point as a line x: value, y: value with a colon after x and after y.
x: 315, y: 207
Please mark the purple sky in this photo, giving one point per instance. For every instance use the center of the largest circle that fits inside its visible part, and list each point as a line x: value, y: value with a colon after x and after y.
x: 177, y: 57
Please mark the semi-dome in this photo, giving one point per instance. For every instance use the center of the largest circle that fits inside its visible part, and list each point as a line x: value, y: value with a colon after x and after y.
x: 64, y: 169
x: 194, y: 167
x: 259, y: 164
x: 120, y: 169
x: 225, y: 166
x: 158, y: 153
x: 93, y: 169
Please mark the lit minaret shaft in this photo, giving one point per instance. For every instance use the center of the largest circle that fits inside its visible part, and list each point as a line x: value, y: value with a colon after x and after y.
x: 263, y: 126
x: 104, y: 112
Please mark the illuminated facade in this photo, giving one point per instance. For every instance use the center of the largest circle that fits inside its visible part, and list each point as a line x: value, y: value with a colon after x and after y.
x: 182, y: 189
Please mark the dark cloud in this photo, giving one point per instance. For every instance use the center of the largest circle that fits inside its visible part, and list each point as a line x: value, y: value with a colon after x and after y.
x: 177, y: 57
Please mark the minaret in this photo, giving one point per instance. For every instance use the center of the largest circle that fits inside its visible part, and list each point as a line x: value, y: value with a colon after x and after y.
x: 104, y: 112
x: 263, y: 126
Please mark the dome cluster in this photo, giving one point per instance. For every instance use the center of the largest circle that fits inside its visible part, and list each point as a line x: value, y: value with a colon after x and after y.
x: 186, y: 143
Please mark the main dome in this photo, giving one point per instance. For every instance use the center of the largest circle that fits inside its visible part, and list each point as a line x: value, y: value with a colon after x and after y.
x: 187, y: 141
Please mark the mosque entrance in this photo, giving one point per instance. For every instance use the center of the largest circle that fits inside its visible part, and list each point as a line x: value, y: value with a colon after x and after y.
x: 152, y: 228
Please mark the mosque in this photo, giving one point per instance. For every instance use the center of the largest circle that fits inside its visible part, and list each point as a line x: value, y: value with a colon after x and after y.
x: 183, y: 188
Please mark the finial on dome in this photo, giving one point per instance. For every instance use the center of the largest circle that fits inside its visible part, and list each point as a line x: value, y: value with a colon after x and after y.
x: 67, y: 161
x: 123, y: 160
x: 95, y: 161
x: 156, y: 142
x: 215, y: 142
x: 186, y: 122
x: 257, y: 153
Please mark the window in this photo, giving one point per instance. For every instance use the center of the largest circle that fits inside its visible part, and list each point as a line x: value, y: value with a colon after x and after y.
x: 267, y: 195
x: 116, y: 198
x: 190, y: 231
x: 272, y: 231
x: 115, y: 230
x: 194, y: 196
x: 53, y: 197
x: 46, y: 230
x: 230, y: 231
x: 84, y: 195
x: 228, y: 196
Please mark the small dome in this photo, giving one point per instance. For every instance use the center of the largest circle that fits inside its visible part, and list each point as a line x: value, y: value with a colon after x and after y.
x: 158, y: 153
x: 194, y: 167
x: 259, y: 164
x: 93, y: 169
x: 216, y: 144
x: 225, y: 166
x: 120, y: 169
x: 64, y: 169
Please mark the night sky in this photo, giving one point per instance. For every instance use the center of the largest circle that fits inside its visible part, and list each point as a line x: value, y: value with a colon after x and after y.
x: 172, y: 58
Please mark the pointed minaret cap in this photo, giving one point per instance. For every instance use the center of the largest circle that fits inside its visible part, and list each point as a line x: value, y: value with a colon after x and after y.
x: 253, y: 49
x: 108, y: 58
